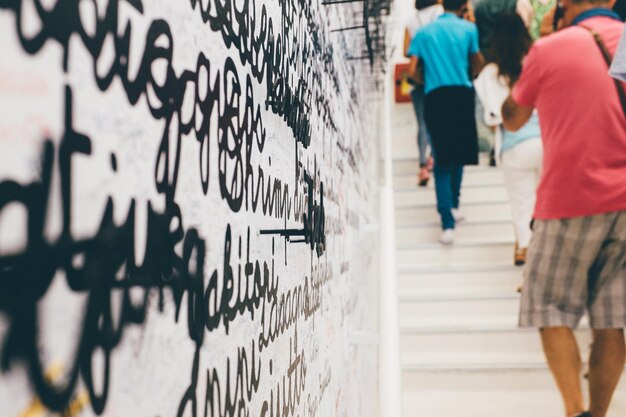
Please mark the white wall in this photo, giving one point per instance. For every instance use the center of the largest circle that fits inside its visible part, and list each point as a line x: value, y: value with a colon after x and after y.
x: 135, y: 278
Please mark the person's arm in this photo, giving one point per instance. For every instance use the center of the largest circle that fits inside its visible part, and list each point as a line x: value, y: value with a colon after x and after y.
x: 477, y: 61
x: 413, y: 52
x: 514, y: 115
x: 413, y: 68
x: 407, y: 42
x: 526, y: 11
x: 518, y: 108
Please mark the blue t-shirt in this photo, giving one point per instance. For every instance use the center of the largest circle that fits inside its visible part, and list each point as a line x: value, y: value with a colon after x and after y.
x: 445, y: 47
x: 531, y: 130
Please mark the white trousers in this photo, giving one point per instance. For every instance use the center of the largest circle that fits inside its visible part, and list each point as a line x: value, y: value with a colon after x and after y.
x: 522, y: 171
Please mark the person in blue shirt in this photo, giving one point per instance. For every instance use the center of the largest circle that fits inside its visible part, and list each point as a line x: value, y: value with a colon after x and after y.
x: 448, y: 49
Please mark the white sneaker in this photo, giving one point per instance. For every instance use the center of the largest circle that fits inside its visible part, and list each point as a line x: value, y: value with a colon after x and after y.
x: 447, y: 237
x: 458, y: 215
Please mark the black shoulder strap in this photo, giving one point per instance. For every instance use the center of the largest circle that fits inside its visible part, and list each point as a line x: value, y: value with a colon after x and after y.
x: 609, y: 59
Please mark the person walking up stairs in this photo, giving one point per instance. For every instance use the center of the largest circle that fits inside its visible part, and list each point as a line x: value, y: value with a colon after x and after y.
x: 577, y: 257
x: 449, y: 49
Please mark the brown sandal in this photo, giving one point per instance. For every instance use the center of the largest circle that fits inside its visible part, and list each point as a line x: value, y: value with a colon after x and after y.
x: 519, y: 256
x: 423, y: 177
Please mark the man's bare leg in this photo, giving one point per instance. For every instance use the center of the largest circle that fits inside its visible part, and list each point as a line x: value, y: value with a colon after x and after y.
x: 561, y: 350
x: 606, y: 365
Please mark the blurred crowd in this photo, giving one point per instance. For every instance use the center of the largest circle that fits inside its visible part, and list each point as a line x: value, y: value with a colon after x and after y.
x: 548, y: 77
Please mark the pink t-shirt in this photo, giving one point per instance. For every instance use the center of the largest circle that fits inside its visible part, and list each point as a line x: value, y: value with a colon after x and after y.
x: 582, y: 123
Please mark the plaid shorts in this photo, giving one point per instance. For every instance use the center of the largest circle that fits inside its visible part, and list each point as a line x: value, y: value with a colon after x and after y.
x: 575, y: 266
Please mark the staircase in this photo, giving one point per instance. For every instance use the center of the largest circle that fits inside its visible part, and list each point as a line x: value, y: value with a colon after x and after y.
x: 462, y: 353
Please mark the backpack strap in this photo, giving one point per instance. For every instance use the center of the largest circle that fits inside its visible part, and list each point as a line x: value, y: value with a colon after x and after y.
x: 608, y: 57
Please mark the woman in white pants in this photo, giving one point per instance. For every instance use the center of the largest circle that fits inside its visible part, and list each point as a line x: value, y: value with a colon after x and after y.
x: 520, y: 153
x: 521, y: 159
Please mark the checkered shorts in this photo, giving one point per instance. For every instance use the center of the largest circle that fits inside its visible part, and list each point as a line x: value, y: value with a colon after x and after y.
x: 575, y: 266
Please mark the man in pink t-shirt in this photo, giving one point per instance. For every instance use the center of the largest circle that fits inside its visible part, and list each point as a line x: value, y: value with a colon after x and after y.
x: 577, y: 258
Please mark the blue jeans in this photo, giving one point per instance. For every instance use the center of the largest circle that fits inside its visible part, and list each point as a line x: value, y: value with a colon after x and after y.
x: 423, y: 137
x: 448, y: 179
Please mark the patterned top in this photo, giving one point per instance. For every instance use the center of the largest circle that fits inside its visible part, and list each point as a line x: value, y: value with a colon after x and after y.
x: 533, y: 12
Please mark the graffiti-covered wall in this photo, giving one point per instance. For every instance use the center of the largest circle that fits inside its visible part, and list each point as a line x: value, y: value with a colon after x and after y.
x: 188, y: 209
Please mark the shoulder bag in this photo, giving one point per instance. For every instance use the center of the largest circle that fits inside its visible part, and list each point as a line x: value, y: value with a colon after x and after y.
x: 609, y: 59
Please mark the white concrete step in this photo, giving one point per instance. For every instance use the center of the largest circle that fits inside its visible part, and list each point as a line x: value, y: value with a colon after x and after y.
x: 404, y: 138
x: 469, y: 361
x: 426, y: 197
x: 474, y: 212
x: 465, y: 231
x: 408, y: 166
x: 497, y: 393
x: 518, y: 401
x: 495, y: 278
x: 477, y: 253
x: 463, y: 336
x: 413, y: 346
x: 471, y: 179
x: 461, y: 305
